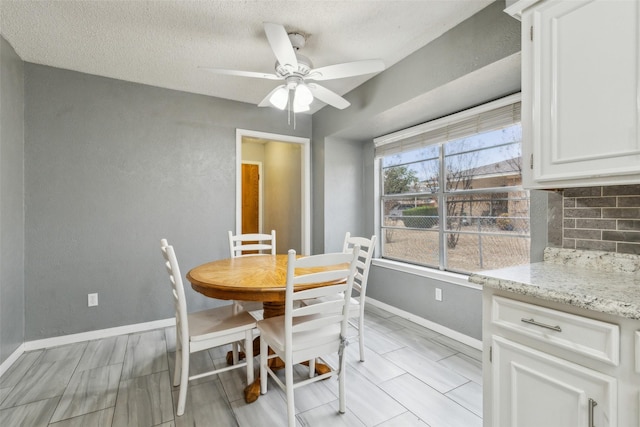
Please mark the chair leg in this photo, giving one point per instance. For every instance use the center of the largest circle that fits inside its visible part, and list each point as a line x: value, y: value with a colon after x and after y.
x: 291, y: 407
x: 248, y: 350
x: 264, y: 359
x: 234, y: 352
x: 341, y: 386
x: 178, y: 363
x: 184, y: 383
x: 312, y: 368
x: 361, y: 336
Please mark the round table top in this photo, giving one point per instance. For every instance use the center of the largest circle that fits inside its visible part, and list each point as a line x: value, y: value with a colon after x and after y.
x: 248, y: 278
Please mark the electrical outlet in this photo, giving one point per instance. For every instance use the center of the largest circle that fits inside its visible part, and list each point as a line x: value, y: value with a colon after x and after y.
x: 92, y: 300
x: 438, y: 294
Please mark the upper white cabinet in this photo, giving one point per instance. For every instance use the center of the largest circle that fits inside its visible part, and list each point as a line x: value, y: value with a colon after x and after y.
x: 580, y: 92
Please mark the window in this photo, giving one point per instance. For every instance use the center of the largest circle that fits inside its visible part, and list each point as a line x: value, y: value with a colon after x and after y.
x: 450, y: 191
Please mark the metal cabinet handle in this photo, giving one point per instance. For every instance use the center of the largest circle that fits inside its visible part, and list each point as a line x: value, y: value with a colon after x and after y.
x: 592, y: 404
x: 542, y: 325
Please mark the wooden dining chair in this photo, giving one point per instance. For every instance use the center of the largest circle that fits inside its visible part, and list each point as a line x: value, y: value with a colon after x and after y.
x: 305, y: 333
x: 249, y: 245
x: 203, y: 330
x: 356, y: 307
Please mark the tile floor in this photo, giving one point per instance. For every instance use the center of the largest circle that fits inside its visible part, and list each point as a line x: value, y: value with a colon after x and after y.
x: 412, y: 376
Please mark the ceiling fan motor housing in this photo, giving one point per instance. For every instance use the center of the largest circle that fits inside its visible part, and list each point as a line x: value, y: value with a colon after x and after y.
x: 304, y: 67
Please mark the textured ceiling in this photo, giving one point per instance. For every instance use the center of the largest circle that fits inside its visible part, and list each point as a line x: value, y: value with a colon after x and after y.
x: 162, y: 43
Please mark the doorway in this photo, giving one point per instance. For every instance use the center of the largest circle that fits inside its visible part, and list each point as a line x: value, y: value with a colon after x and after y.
x: 283, y: 186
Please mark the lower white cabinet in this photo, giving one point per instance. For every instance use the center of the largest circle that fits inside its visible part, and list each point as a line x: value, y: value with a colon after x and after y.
x: 549, y: 364
x: 534, y: 389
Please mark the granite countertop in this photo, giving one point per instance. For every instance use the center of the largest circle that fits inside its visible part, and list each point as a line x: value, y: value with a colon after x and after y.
x: 598, y: 281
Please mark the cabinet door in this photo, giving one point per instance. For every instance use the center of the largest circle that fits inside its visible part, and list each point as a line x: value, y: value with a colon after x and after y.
x: 534, y: 389
x: 581, y: 92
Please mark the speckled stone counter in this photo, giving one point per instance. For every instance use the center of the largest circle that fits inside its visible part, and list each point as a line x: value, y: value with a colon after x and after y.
x: 598, y: 281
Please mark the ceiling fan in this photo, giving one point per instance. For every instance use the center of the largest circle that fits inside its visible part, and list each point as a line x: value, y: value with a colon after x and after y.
x: 299, y: 88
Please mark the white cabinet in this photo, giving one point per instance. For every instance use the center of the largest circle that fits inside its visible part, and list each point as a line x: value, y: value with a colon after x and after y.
x: 580, y: 92
x: 548, y: 364
x: 535, y: 389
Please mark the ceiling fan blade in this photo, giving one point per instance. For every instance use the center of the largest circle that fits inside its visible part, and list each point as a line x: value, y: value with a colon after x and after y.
x: 281, y: 45
x: 239, y: 73
x: 348, y: 69
x: 328, y: 97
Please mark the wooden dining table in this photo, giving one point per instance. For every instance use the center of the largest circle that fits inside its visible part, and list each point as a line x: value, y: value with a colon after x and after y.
x: 250, y: 278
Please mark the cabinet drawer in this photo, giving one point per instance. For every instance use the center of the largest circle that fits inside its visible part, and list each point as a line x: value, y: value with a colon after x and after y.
x: 592, y: 338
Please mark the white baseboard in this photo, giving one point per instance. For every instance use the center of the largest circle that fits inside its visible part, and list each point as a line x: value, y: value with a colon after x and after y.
x: 465, y: 339
x: 100, y: 333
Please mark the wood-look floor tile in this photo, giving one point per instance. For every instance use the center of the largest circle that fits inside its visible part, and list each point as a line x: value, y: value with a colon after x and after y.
x: 414, y: 327
x: 206, y: 405
x: 464, y: 365
x: 432, y: 407
x: 146, y: 354
x: 103, y: 418
x: 425, y: 346
x: 4, y: 392
x: 458, y: 346
x: 328, y: 416
x: 18, y: 370
x: 407, y: 419
x: 372, y: 309
x: 381, y: 324
x: 144, y: 401
x: 269, y: 410
x: 369, y: 403
x: 103, y: 352
x: 377, y: 341
x: 468, y: 395
x: 235, y: 381
x: 89, y: 391
x: 34, y: 414
x: 47, y: 377
x: 426, y: 370
x: 199, y: 363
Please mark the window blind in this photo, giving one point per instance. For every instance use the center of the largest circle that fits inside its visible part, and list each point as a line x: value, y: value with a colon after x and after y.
x: 493, y: 116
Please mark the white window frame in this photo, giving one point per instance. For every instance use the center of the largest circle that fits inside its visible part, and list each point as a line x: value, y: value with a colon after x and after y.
x: 434, y: 273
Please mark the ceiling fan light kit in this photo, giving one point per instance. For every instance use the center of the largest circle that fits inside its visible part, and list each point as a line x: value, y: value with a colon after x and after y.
x: 295, y: 69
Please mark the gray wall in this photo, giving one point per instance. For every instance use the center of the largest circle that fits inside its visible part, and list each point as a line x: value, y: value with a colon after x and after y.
x: 111, y: 168
x: 12, y: 304
x: 473, y: 63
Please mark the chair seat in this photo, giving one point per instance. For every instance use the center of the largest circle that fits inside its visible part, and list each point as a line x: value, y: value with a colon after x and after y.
x: 274, y: 328
x: 207, y: 324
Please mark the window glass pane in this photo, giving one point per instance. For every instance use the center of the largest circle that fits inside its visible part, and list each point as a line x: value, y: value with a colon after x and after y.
x: 501, y: 213
x: 411, y: 245
x: 493, y: 166
x: 411, y: 212
x: 424, y: 153
x: 475, y: 252
x: 417, y: 177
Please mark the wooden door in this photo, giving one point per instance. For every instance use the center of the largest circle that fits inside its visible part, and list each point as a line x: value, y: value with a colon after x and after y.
x: 250, y: 198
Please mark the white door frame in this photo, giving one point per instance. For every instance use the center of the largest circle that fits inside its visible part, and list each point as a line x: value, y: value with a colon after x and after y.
x: 305, y: 144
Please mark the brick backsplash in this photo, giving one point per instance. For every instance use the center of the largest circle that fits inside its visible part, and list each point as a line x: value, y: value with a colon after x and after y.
x: 601, y: 218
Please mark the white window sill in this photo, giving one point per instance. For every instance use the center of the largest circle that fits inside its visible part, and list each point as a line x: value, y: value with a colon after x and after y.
x: 432, y: 273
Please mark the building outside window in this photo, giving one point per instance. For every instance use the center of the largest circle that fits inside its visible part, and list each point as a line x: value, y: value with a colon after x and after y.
x: 451, y: 192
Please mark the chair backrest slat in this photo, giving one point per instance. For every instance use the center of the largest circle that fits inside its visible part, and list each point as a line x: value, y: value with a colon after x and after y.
x: 316, y: 316
x: 256, y: 243
x: 367, y: 246
x: 175, y: 278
